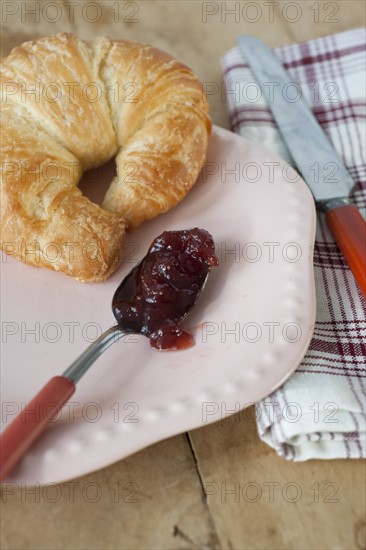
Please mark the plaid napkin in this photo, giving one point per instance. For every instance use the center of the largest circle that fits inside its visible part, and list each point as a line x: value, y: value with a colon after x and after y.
x: 320, y: 411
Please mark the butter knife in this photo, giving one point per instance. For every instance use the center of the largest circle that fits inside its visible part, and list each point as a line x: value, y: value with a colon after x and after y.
x: 313, y: 154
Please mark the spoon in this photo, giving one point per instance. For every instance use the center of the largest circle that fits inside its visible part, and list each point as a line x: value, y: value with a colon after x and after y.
x: 152, y: 300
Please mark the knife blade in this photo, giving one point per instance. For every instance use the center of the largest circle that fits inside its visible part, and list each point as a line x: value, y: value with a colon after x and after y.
x: 313, y: 154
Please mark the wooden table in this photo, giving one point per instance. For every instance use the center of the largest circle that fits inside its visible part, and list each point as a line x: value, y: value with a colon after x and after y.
x: 217, y: 486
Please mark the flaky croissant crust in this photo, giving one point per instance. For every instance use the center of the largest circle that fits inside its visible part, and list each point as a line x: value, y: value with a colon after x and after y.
x: 67, y: 104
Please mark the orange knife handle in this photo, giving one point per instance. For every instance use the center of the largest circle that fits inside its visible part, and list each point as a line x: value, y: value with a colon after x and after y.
x: 29, y: 424
x: 349, y: 230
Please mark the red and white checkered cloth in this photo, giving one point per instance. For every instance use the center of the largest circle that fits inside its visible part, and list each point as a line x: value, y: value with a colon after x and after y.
x: 327, y: 392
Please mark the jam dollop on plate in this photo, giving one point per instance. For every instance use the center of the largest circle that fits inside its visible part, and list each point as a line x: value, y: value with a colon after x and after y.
x: 159, y: 292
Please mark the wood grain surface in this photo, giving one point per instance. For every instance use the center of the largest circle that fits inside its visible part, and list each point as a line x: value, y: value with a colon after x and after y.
x: 218, y: 487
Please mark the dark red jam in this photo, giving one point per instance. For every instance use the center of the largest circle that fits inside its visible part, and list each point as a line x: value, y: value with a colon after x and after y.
x: 159, y: 292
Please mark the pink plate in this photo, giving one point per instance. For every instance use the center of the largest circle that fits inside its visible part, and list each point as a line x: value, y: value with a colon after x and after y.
x: 252, y: 325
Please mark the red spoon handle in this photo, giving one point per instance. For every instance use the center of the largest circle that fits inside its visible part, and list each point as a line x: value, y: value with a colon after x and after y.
x: 25, y: 429
x: 349, y: 230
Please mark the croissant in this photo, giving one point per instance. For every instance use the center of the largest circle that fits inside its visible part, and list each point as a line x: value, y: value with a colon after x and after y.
x: 67, y: 104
